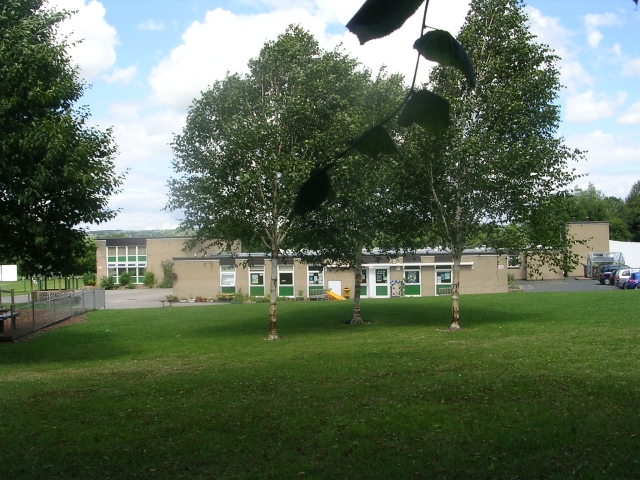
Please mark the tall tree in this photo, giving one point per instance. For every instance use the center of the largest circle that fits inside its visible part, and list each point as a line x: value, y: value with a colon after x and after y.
x: 57, y: 173
x: 250, y: 141
x: 591, y: 204
x: 365, y: 212
x: 632, y: 203
x: 500, y: 160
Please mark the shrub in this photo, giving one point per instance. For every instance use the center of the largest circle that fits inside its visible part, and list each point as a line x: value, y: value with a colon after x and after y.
x: 87, y: 277
x: 91, y: 282
x: 125, y: 279
x: 168, y: 273
x: 108, y: 283
x: 149, y: 279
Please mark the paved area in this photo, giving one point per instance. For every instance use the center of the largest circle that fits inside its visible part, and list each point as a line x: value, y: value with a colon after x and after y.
x: 146, y: 298
x: 562, y: 285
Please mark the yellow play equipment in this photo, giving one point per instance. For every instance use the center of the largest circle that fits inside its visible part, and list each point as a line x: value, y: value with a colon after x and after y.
x: 334, y: 296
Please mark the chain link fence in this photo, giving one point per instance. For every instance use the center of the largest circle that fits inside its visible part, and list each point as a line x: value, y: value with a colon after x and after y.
x: 21, y: 318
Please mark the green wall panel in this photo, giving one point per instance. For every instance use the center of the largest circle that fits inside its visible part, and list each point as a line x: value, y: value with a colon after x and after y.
x: 285, y: 292
x: 256, y: 291
x: 381, y: 291
x: 227, y: 289
x: 412, y: 290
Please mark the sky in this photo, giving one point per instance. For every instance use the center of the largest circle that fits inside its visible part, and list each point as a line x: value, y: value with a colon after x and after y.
x: 145, y: 61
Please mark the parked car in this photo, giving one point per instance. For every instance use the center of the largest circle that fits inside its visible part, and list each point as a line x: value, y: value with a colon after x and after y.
x: 605, y: 272
x: 623, y: 275
x: 633, y: 281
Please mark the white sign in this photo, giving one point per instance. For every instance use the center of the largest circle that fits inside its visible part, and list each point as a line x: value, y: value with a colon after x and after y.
x: 8, y: 273
x: 500, y: 267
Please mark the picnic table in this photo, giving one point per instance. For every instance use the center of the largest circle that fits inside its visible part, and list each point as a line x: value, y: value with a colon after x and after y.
x: 225, y: 296
x: 6, y: 314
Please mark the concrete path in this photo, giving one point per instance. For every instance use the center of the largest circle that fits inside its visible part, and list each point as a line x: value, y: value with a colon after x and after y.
x: 146, y: 298
x: 568, y: 284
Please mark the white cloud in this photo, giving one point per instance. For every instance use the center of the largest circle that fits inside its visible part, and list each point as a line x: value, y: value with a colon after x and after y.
x: 612, y: 161
x: 593, y: 21
x: 631, y: 116
x: 151, y: 24
x: 224, y: 42
x: 632, y: 67
x: 550, y: 31
x: 96, y: 51
x: 587, y: 107
x: 121, y: 75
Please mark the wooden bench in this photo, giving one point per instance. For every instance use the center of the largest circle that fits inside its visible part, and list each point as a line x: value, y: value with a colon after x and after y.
x: 6, y: 315
x: 318, y: 294
x: 225, y: 296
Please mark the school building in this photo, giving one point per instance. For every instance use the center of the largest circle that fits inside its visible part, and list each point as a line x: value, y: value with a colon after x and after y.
x: 423, y: 273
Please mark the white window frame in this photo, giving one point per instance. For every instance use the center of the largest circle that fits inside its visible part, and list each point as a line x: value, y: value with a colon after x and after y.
x: 226, y: 270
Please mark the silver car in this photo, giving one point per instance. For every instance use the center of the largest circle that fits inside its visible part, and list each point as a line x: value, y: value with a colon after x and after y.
x: 623, y: 275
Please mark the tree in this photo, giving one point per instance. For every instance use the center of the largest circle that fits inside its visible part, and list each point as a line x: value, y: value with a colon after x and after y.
x: 57, y: 173
x: 591, y: 204
x: 250, y: 141
x: 499, y: 162
x: 364, y: 214
x: 632, y: 203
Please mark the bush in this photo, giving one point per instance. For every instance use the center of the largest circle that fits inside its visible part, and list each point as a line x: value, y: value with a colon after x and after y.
x: 125, y: 279
x: 108, y: 283
x: 168, y: 273
x: 88, y: 277
x: 149, y: 279
x: 90, y: 283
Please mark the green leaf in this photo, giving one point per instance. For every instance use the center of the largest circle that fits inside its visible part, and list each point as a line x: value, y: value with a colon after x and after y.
x: 314, y: 191
x: 379, y: 18
x: 375, y: 141
x: 427, y: 110
x: 440, y: 46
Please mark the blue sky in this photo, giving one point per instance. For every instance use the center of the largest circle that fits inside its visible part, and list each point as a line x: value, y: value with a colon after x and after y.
x: 145, y: 61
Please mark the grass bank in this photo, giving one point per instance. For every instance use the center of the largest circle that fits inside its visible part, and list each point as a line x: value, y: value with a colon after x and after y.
x: 534, y: 386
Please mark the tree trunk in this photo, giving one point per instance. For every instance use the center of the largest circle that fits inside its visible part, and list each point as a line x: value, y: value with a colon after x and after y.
x: 273, y: 296
x: 455, y: 293
x: 356, y: 319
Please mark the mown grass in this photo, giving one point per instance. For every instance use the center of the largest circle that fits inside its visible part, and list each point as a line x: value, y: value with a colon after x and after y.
x: 534, y: 386
x: 23, y: 287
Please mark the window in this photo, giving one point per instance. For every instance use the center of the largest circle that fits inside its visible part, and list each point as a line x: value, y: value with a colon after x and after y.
x: 285, y: 281
x: 316, y: 280
x: 411, y: 275
x: 256, y: 281
x: 111, y: 254
x: 443, y: 275
x: 513, y: 261
x: 227, y: 279
x: 316, y: 276
x: 227, y: 276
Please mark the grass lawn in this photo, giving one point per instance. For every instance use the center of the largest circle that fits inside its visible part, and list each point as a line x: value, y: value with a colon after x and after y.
x: 22, y: 287
x: 534, y: 386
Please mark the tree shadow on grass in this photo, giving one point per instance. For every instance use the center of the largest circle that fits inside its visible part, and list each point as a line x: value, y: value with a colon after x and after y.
x: 318, y: 318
